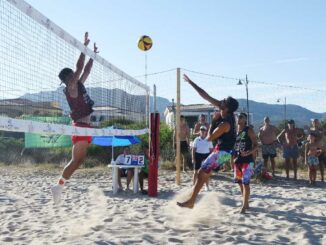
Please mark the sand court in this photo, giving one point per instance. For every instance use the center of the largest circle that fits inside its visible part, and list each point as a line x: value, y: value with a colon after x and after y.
x: 281, y: 212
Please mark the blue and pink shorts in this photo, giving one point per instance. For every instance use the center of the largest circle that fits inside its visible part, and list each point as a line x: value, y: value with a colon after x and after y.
x: 215, y: 160
x: 242, y: 173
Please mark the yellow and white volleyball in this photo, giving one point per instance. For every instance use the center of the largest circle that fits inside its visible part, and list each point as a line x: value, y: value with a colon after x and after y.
x: 145, y: 43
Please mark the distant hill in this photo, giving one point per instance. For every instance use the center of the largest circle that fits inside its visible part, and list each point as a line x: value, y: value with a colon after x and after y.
x: 161, y: 104
x: 101, y: 97
x: 299, y: 114
x: 116, y: 97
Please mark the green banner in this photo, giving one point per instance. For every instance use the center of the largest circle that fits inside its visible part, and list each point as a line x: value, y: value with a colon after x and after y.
x: 46, y: 140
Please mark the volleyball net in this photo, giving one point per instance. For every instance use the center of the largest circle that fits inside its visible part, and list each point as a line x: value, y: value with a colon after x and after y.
x: 33, y: 50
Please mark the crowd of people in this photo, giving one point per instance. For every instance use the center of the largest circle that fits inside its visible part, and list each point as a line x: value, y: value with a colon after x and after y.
x: 289, y: 140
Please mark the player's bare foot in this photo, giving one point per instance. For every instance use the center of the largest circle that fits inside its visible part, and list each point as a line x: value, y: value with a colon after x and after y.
x: 186, y: 204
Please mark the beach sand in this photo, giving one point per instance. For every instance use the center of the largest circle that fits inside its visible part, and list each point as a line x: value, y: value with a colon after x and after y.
x: 281, y: 212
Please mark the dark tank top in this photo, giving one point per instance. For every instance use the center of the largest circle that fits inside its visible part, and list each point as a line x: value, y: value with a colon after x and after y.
x: 81, y: 106
x: 243, y: 143
x: 226, y: 141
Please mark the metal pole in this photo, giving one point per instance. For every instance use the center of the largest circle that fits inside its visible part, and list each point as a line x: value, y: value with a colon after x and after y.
x: 148, y: 94
x: 145, y: 68
x: 147, y: 112
x: 177, y: 130
x: 248, y: 118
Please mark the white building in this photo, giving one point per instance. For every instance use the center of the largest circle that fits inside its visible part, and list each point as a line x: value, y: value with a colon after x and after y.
x: 192, y: 113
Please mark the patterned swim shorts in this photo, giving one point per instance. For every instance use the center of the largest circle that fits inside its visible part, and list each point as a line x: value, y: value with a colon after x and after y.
x: 269, y: 151
x: 242, y: 173
x: 215, y: 160
x: 312, y: 161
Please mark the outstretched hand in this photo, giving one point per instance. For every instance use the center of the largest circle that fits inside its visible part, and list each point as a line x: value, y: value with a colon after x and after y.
x: 186, y: 78
x: 86, y: 39
x: 95, y: 49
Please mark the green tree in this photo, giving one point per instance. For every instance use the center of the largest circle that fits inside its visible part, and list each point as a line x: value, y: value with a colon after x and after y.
x: 282, y: 125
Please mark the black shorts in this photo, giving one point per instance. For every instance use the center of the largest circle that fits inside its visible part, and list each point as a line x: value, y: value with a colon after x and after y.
x: 184, y: 148
x: 123, y: 172
x: 199, y: 157
x: 322, y: 159
x: 266, y: 156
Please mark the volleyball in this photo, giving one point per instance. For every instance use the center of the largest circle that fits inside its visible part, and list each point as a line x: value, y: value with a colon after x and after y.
x: 145, y: 43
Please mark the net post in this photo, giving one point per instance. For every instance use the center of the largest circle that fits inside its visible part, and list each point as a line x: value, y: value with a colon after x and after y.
x: 154, y: 154
x: 147, y: 111
x: 177, y: 130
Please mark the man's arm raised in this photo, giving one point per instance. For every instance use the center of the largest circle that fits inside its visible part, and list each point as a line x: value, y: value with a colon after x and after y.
x: 80, y: 63
x: 202, y: 92
x: 88, y: 67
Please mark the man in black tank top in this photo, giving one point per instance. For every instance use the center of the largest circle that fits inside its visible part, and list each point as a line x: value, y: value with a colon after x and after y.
x: 223, y: 133
x: 244, y: 150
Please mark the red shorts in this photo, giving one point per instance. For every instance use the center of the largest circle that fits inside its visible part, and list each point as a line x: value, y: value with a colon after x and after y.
x: 76, y: 138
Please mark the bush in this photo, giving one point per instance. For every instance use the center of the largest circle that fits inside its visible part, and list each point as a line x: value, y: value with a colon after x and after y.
x: 10, y: 149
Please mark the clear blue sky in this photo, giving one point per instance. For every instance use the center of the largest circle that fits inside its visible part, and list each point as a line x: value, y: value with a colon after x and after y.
x: 273, y: 41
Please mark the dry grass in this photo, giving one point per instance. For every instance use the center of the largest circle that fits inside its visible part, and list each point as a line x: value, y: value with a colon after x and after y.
x: 167, y: 165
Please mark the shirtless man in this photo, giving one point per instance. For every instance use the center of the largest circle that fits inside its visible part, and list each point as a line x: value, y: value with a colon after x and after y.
x: 184, y: 137
x: 201, y: 122
x: 319, y: 132
x: 290, y: 147
x: 267, y: 135
x: 81, y: 107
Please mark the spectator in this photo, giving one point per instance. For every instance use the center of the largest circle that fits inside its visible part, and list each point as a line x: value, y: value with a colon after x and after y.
x: 184, y: 142
x: 291, y: 135
x: 267, y: 135
x: 144, y: 171
x: 129, y: 173
x: 319, y: 132
x: 244, y: 151
x: 201, y: 122
x: 200, y: 151
x: 312, y: 151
